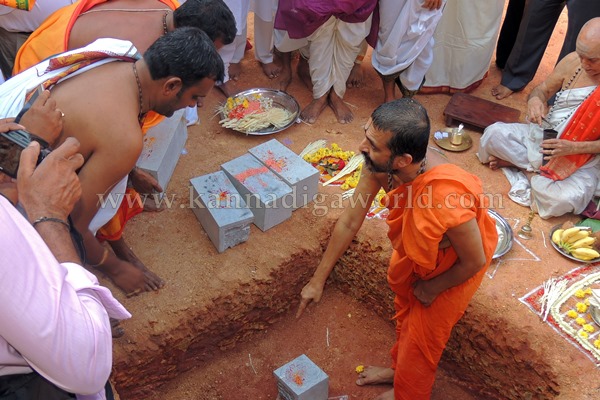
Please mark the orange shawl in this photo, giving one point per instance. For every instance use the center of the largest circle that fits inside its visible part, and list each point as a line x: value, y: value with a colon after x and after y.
x: 583, y: 126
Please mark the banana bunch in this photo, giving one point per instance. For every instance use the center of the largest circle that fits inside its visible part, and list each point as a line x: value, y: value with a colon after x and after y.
x: 577, y: 242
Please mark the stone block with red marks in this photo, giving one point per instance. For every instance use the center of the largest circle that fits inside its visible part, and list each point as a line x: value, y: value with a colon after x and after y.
x: 302, y: 177
x: 302, y: 379
x: 163, y: 144
x: 264, y: 192
x: 221, y: 210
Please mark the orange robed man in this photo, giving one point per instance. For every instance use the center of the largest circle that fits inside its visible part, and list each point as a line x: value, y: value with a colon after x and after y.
x: 442, y: 237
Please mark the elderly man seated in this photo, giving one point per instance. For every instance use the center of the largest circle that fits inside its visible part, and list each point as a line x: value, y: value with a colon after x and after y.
x: 568, y: 166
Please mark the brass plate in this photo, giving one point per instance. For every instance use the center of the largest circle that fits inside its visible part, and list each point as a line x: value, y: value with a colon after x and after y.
x: 445, y: 144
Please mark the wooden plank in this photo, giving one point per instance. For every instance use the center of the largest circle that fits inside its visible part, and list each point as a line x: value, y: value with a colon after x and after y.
x: 478, y: 112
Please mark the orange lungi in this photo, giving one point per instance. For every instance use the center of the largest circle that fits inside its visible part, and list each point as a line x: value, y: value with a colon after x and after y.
x: 424, y: 210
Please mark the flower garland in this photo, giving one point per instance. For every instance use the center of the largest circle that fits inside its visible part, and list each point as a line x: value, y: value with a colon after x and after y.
x: 330, y: 161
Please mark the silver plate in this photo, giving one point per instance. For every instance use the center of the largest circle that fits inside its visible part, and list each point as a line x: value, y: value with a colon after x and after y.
x: 595, y: 314
x: 564, y: 253
x: 505, y: 234
x: 280, y: 99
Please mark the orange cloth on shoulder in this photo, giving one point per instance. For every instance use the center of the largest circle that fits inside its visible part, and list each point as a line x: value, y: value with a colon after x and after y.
x: 420, y: 214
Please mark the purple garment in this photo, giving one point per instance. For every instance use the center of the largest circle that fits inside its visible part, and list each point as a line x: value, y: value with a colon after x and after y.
x: 300, y: 18
x: 53, y: 316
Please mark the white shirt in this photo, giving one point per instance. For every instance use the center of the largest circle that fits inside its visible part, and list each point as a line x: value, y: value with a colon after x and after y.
x: 54, y: 317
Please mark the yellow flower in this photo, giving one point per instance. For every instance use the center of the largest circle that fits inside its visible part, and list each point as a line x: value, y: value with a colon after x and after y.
x: 579, y: 293
x: 245, y: 103
x: 580, y: 320
x: 581, y: 307
x: 361, y: 368
x: 588, y: 290
x: 583, y: 334
x: 588, y: 328
x: 597, y: 343
x: 572, y: 314
x: 586, y: 302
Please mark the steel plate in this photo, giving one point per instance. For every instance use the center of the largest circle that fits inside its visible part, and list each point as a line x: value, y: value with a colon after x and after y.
x: 564, y: 253
x: 280, y: 99
x: 505, y: 234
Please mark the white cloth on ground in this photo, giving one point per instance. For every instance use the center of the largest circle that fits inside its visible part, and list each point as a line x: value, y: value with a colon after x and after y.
x: 465, y: 40
x: 520, y: 190
x: 519, y: 144
x: 405, y: 40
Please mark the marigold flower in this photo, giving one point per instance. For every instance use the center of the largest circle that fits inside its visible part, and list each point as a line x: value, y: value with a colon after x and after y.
x: 581, y: 307
x: 580, y: 320
x: 597, y: 343
x: 572, y: 314
x: 588, y: 328
x: 361, y: 368
x: 579, y: 294
x: 583, y: 334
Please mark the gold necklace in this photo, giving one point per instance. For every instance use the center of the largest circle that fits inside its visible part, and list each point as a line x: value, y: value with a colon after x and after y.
x: 140, y: 98
x: 419, y: 172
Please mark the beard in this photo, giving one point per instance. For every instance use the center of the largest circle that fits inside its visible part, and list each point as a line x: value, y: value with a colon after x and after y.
x: 374, y: 167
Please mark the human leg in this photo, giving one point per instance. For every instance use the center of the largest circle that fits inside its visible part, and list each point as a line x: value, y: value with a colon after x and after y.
x: 284, y: 46
x: 356, y: 78
x: 509, y: 143
x: 579, y: 12
x: 537, y: 24
x: 263, y: 46
x: 509, y: 31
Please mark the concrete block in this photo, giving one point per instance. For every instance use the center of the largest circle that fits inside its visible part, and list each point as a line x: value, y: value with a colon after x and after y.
x: 262, y: 190
x: 302, y: 379
x: 163, y: 144
x: 302, y: 177
x: 221, y: 210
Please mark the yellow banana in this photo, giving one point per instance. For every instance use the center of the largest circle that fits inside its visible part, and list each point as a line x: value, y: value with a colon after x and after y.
x: 585, y: 254
x: 557, y: 235
x: 587, y: 241
x: 567, y: 233
x: 582, y: 234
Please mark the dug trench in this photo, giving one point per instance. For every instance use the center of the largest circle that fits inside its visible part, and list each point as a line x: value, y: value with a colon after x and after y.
x: 488, y: 353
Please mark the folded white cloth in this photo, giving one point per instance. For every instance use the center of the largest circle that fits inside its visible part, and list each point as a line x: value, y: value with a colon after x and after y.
x: 595, y: 298
x: 520, y: 189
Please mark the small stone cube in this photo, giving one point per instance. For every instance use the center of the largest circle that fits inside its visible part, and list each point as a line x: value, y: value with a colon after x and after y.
x: 302, y: 177
x: 163, y: 144
x: 262, y: 190
x: 221, y: 210
x: 302, y: 379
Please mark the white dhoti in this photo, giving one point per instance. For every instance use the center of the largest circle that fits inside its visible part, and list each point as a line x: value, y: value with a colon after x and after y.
x: 465, y: 40
x: 405, y: 40
x: 264, y: 19
x: 520, y: 144
x: 234, y: 52
x: 109, y: 206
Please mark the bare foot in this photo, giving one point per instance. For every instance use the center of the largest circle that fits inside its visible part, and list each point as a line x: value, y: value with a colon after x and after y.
x: 271, y: 70
x: 226, y: 88
x: 124, y: 275
x: 389, y: 395
x: 389, y: 91
x: 285, y: 77
x: 501, y: 92
x: 123, y: 252
x: 375, y: 376
x: 304, y: 72
x: 495, y: 163
x: 341, y: 110
x: 356, y: 78
x: 235, y: 70
x: 312, y: 111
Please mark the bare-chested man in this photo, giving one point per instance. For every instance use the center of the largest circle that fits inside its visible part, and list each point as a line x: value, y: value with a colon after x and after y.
x: 103, y: 108
x: 141, y: 22
x: 570, y: 178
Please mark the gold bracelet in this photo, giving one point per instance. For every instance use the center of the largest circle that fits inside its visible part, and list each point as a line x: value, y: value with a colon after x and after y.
x: 103, y: 260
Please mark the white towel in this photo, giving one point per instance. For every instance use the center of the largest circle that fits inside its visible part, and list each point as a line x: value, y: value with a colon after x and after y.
x: 520, y: 189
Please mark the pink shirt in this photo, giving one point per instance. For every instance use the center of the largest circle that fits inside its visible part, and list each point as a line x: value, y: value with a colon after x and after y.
x: 53, y: 317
